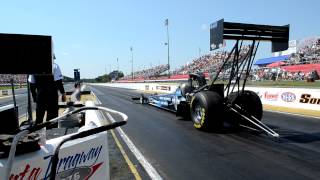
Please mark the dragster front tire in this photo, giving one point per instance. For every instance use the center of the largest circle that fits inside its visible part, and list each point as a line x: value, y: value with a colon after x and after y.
x: 206, y: 110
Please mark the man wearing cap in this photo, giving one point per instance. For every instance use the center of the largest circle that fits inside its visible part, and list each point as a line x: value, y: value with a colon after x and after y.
x: 44, y: 90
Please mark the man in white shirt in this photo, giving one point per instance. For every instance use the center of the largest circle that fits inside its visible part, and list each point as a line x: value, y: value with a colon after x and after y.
x: 44, y: 90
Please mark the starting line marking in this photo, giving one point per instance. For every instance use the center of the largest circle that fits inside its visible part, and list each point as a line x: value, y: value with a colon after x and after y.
x: 151, y: 171
x: 125, y: 156
x: 143, y: 161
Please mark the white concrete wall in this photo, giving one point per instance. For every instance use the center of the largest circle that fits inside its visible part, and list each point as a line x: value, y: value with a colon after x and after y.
x: 302, y: 98
x: 5, y: 92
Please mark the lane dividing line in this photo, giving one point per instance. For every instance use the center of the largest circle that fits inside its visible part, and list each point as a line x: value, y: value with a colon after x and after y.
x: 22, y: 115
x: 10, y: 96
x: 143, y: 161
x: 125, y: 156
x: 294, y: 114
x: 83, y: 87
x: 151, y: 171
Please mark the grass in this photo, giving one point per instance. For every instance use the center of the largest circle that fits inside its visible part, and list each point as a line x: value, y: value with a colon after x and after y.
x: 9, y: 87
x: 299, y: 84
x: 268, y: 83
x: 283, y: 84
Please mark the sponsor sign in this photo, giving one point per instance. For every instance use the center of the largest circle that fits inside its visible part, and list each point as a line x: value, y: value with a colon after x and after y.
x: 163, y: 88
x: 288, y: 96
x: 271, y: 96
x: 27, y: 173
x: 308, y: 99
x: 146, y: 88
x: 5, y: 92
x: 80, y: 165
x: 300, y: 98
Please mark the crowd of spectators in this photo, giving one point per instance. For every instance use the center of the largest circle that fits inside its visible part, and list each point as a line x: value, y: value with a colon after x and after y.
x: 206, y: 63
x: 202, y: 64
x: 5, y: 79
x: 150, y: 73
x: 308, y: 52
x: 279, y: 74
x: 209, y: 62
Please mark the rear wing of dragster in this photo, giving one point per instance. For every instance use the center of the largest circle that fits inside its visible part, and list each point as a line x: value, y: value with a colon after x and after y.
x: 242, y: 65
x: 220, y: 30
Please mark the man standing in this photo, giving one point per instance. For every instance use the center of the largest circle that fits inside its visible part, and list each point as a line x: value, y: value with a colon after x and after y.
x: 44, y: 90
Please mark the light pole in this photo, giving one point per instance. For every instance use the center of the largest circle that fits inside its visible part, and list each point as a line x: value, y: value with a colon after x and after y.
x: 166, y: 23
x: 117, y: 68
x: 131, y: 49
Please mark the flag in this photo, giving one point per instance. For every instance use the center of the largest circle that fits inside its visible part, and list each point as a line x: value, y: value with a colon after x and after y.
x: 166, y: 22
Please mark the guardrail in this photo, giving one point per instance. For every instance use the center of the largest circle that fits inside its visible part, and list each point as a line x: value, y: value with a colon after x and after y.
x: 5, y: 92
x: 301, y: 98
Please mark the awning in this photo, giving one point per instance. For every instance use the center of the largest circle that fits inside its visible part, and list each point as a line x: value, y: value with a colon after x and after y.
x: 276, y: 64
x: 271, y: 60
x: 305, y: 68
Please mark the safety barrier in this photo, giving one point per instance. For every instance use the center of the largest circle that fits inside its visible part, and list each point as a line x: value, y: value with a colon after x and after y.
x: 5, y: 92
x: 301, y: 98
x: 156, y: 87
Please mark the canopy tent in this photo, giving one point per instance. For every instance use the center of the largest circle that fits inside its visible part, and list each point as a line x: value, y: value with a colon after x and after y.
x: 305, y: 68
x: 276, y: 64
x: 270, y: 60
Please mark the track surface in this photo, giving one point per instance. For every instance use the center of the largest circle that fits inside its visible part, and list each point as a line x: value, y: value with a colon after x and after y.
x: 178, y: 151
x: 22, y: 99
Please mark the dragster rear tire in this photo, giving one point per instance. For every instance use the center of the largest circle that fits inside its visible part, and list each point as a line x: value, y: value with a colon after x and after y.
x: 249, y: 101
x: 206, y: 110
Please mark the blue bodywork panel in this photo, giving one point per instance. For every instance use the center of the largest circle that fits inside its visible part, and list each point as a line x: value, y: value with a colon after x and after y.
x: 167, y: 101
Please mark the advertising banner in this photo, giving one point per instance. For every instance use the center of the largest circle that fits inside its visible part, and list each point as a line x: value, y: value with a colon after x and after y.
x: 301, y: 98
x: 85, y: 158
x: 289, y: 97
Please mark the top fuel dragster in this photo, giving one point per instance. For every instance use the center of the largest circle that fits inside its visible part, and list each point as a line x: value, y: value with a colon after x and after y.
x: 210, y: 105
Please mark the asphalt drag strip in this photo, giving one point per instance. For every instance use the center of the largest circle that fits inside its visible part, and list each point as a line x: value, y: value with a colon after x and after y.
x: 119, y: 169
x: 178, y: 151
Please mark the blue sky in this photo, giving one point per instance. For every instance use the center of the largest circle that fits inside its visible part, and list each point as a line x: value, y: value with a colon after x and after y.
x: 92, y: 34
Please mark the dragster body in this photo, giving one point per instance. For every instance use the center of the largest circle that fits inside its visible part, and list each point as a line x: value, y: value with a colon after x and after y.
x: 170, y: 102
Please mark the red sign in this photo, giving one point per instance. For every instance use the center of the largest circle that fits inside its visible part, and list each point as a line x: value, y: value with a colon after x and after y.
x: 27, y: 173
x: 271, y: 96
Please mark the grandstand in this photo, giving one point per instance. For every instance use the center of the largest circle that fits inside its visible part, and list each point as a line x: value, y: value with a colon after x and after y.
x: 151, y: 73
x: 17, y: 79
x: 299, y: 65
x: 207, y: 63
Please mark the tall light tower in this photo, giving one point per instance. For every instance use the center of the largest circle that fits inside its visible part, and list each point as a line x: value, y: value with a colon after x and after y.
x: 131, y: 49
x: 166, y: 23
x: 118, y: 68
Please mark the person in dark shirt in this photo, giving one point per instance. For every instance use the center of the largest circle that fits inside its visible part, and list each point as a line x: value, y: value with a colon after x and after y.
x: 44, y: 90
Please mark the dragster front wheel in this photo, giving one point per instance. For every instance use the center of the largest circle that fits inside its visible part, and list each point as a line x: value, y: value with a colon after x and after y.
x: 206, y: 110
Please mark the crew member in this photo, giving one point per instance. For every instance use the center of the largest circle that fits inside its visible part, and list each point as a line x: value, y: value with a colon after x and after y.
x: 44, y: 90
